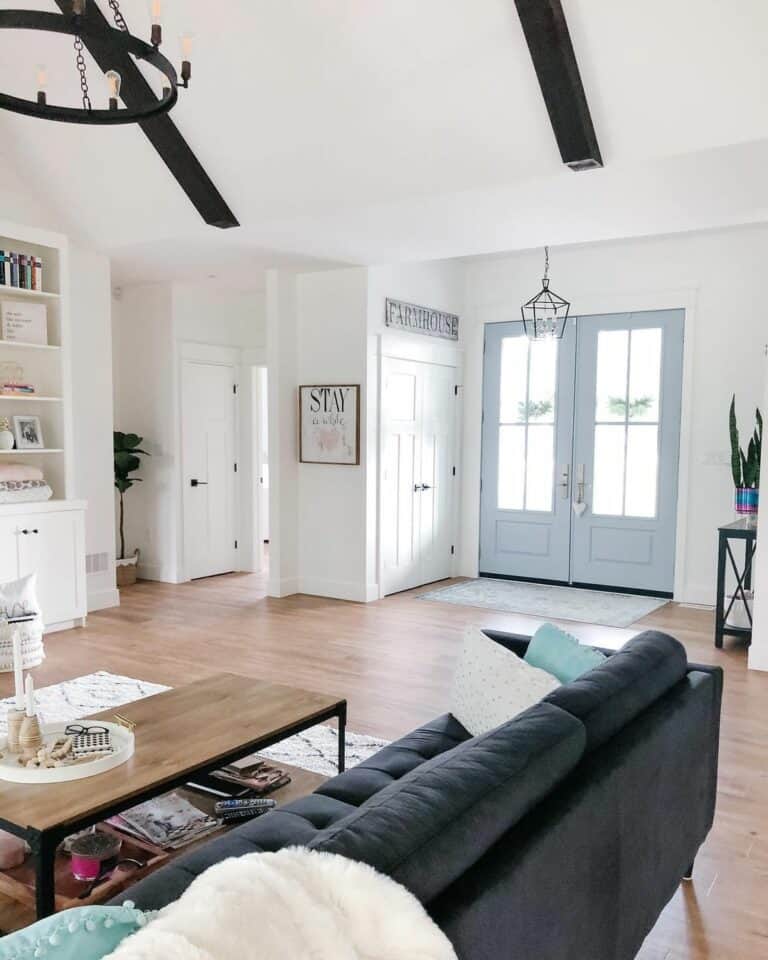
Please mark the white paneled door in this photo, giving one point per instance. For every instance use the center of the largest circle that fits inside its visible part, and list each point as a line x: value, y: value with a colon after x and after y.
x: 208, y: 441
x: 418, y: 407
x: 580, y: 452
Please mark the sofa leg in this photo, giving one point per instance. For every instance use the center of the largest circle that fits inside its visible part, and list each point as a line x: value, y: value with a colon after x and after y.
x: 688, y: 875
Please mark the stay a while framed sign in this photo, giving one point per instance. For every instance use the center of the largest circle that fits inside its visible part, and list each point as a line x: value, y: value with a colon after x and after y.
x: 329, y: 424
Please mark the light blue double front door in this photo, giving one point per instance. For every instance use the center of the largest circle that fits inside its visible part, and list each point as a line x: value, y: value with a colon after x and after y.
x: 580, y: 452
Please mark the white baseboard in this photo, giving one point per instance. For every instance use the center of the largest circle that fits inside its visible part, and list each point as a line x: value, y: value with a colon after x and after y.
x: 339, y: 589
x: 282, y: 588
x: 154, y: 571
x: 103, y: 599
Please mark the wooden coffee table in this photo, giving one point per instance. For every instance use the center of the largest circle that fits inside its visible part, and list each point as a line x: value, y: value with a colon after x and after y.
x: 186, y: 732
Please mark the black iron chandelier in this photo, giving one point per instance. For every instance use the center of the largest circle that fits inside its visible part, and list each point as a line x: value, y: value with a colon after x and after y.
x: 104, y: 41
x: 545, y: 314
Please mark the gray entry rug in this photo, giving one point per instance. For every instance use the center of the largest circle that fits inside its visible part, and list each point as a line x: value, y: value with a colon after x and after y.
x: 547, y: 601
x: 314, y: 749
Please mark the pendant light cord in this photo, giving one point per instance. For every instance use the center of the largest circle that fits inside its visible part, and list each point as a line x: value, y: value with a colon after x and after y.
x: 546, y: 263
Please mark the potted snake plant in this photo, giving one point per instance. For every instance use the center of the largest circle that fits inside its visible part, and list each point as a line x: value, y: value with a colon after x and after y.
x: 745, y: 467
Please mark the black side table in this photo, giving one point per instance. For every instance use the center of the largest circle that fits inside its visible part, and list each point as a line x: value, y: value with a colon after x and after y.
x: 745, y: 530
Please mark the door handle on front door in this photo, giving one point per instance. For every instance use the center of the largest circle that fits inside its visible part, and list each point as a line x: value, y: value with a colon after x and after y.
x: 198, y: 483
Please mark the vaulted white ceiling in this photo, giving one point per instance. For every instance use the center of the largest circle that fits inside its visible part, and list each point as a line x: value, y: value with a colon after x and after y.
x: 381, y: 130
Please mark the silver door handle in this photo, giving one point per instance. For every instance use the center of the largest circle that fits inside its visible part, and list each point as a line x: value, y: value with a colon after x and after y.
x: 565, y: 482
x: 580, y: 483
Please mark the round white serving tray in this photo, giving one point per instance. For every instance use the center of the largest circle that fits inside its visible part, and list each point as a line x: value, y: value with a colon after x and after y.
x: 123, y: 743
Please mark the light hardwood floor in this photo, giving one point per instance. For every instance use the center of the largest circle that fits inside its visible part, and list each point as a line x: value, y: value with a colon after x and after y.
x: 393, y: 661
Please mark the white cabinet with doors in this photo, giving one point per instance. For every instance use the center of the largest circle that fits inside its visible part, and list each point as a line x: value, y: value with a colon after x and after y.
x: 47, y: 539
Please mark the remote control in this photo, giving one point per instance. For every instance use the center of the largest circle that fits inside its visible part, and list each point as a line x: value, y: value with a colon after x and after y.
x: 252, y: 803
x: 229, y: 816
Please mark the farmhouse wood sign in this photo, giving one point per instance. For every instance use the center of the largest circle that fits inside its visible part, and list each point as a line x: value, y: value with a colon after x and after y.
x: 329, y: 424
x: 416, y: 319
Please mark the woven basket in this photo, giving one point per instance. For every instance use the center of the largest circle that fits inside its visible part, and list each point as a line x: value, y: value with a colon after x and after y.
x: 32, y: 649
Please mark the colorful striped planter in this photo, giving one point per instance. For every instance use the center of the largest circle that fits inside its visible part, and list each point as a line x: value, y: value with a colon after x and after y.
x: 747, y: 499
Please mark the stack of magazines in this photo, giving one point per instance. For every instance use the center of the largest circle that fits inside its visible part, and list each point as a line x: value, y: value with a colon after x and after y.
x: 169, y: 822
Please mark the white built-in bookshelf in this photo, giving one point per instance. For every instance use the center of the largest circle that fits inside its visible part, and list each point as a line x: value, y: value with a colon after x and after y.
x: 45, y: 366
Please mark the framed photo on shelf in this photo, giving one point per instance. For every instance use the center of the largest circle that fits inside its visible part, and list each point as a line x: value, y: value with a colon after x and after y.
x: 28, y: 432
x: 329, y: 424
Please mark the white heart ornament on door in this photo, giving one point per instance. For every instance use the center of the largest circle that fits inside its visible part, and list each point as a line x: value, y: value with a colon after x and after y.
x: 579, y: 508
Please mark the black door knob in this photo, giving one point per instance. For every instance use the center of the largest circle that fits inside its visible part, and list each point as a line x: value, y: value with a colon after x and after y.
x: 198, y: 483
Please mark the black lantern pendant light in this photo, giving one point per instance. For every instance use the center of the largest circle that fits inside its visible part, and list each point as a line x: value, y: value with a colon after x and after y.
x: 545, y: 314
x: 119, y: 39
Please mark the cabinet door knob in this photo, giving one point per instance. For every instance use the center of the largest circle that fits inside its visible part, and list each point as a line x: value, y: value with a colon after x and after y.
x: 25, y: 532
x: 35, y: 531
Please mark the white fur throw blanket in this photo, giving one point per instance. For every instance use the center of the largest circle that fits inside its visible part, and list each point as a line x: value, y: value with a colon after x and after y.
x: 296, y: 904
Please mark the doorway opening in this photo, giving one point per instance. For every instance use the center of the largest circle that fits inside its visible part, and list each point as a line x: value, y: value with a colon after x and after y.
x: 580, y: 453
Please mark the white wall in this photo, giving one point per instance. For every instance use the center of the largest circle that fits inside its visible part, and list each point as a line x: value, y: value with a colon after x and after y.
x: 92, y: 413
x: 329, y: 328
x: 151, y: 324
x: 144, y: 383
x: 716, y: 276
x: 758, y: 651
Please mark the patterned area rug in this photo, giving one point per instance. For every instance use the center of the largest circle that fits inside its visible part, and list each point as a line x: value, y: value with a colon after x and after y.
x: 547, y: 601
x: 314, y: 750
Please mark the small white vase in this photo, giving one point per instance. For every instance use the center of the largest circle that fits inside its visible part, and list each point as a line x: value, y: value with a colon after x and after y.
x: 6, y: 440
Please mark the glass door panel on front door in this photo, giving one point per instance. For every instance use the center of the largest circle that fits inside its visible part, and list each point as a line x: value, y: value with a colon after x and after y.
x: 525, y: 516
x: 580, y: 451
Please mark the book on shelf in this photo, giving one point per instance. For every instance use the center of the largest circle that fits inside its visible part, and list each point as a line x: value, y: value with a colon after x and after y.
x: 169, y: 822
x: 259, y: 778
x: 22, y: 270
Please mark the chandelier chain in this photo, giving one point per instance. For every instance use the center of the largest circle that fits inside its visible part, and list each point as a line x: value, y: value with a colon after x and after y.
x: 546, y: 262
x: 80, y: 61
x: 118, y: 15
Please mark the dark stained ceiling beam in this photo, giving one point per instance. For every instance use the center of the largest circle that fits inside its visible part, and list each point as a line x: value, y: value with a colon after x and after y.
x: 161, y: 131
x: 549, y: 42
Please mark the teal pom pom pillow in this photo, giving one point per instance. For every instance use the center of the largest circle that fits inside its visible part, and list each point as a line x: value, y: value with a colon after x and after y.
x: 85, y: 933
x: 560, y: 654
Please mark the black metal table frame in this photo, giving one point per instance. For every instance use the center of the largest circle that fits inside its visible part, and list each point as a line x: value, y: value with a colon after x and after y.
x: 44, y: 843
x: 743, y: 581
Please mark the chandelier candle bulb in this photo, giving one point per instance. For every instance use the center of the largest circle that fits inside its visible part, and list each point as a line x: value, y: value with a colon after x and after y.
x: 42, y: 84
x: 78, y: 7
x: 114, y: 81
x: 157, y: 30
x: 186, y: 58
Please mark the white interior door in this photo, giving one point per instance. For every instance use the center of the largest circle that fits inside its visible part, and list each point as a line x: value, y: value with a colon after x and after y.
x: 208, y: 440
x: 418, y: 424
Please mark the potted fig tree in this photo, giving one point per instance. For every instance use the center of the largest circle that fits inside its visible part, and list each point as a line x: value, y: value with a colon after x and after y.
x: 745, y: 467
x: 127, y: 453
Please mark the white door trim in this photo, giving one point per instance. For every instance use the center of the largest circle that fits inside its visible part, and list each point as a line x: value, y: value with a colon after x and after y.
x: 395, y: 346
x: 191, y: 351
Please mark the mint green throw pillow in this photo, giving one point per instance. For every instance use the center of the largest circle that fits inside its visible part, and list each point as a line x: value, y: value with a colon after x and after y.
x: 84, y: 933
x: 560, y: 654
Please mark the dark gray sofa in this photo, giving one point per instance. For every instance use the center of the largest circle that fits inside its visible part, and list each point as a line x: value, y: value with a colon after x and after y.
x: 560, y: 835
